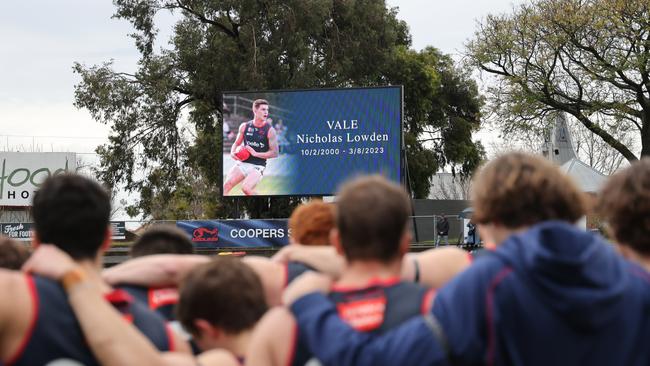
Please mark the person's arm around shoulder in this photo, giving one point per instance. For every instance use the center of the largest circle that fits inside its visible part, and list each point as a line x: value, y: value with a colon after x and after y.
x: 334, y: 342
x: 112, y: 340
x: 153, y: 270
x: 323, y: 259
x: 435, y: 267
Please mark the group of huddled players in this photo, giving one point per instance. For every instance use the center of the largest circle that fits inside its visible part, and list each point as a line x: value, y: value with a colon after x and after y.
x: 345, y: 291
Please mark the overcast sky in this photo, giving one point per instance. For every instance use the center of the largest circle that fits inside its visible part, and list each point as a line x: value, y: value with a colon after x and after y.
x: 41, y: 40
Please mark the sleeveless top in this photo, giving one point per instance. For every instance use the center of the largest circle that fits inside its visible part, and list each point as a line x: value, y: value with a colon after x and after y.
x: 376, y: 308
x: 55, y: 335
x: 162, y: 300
x: 258, y: 139
x: 294, y: 270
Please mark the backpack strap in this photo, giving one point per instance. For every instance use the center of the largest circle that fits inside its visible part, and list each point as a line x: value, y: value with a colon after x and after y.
x: 439, y: 334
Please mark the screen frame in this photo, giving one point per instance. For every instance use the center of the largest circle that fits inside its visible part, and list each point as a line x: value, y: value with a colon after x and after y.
x: 401, y: 168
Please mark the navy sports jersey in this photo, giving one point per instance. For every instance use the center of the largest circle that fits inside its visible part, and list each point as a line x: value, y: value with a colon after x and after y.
x: 376, y: 308
x: 258, y: 139
x: 162, y: 300
x: 295, y: 269
x: 55, y: 334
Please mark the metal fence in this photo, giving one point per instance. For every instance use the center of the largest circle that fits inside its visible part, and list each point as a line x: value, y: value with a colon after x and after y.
x: 423, y: 228
x: 425, y: 231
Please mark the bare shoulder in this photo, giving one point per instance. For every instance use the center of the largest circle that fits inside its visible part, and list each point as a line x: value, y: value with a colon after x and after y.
x: 277, y: 325
x: 278, y: 315
x: 438, y: 266
x: 273, y: 339
x: 178, y: 359
x: 272, y: 275
x: 218, y: 357
x: 16, y: 284
x: 16, y: 311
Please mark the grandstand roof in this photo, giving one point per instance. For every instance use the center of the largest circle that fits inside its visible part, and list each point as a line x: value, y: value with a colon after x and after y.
x: 587, y: 178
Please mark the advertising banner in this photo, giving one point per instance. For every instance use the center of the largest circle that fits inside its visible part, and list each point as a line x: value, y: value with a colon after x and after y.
x: 23, y: 230
x: 23, y: 173
x: 118, y: 230
x: 17, y: 231
x: 236, y: 233
x: 307, y: 142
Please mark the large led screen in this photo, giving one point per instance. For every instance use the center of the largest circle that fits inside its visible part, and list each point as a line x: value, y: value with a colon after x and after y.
x: 307, y: 142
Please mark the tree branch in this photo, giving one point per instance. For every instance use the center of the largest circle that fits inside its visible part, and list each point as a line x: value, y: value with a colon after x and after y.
x: 203, y: 19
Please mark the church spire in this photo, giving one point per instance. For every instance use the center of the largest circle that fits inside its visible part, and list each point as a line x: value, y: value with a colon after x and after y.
x: 559, y: 146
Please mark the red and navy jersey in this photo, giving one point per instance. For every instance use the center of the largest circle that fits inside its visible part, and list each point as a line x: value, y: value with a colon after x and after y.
x: 55, y: 334
x: 162, y: 300
x: 376, y: 308
x: 258, y: 139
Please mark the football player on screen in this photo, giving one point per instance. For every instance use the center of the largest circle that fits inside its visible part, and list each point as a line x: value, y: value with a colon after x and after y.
x: 255, y: 143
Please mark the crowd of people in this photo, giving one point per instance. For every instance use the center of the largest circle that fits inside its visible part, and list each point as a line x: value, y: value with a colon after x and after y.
x: 345, y: 291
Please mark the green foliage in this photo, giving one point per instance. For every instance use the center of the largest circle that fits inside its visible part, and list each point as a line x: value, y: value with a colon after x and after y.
x: 165, y: 118
x: 588, y: 58
x: 442, y: 110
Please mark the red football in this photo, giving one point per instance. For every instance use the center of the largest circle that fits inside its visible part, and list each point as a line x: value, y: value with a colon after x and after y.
x: 242, y: 153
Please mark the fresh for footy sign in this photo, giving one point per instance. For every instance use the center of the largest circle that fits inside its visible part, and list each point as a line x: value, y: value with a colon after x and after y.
x: 21, y: 174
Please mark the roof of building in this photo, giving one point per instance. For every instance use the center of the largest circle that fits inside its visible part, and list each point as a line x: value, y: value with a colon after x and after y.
x: 587, y: 178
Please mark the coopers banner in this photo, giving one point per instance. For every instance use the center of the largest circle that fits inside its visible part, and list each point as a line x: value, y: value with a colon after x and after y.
x: 23, y: 173
x: 236, y: 233
x: 307, y: 142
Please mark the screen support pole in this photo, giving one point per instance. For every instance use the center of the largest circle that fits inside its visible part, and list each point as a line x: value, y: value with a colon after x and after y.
x: 409, y: 189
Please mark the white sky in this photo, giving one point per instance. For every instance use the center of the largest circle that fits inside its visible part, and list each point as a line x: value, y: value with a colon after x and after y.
x: 41, y: 39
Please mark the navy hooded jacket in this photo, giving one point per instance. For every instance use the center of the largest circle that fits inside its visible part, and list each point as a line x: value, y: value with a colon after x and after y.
x: 553, y: 295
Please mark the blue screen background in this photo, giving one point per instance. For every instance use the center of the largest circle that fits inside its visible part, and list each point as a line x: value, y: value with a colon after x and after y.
x: 314, y: 171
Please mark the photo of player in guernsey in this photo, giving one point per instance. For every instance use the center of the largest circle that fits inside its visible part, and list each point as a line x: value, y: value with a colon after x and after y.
x: 256, y: 142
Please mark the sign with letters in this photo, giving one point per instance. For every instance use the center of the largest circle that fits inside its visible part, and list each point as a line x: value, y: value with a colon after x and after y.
x: 22, y: 231
x: 21, y: 174
x: 312, y: 140
x: 118, y: 230
x: 236, y: 233
x: 17, y: 231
